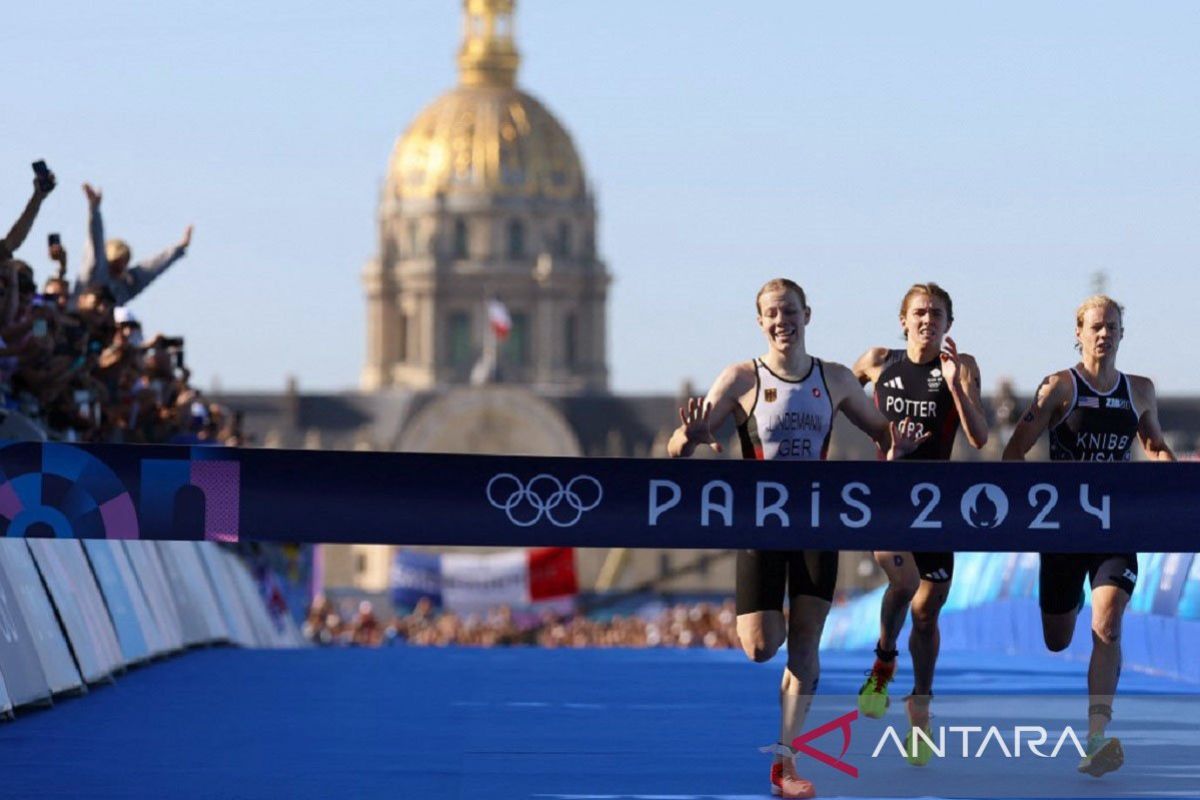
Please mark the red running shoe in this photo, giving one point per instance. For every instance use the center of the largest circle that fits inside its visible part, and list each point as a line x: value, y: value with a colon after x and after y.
x: 786, y: 783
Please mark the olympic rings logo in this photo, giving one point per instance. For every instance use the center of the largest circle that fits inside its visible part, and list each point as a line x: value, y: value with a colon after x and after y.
x: 544, y: 495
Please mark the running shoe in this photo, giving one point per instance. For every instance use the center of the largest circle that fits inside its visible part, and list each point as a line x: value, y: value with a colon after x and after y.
x: 1103, y: 755
x: 786, y: 783
x: 873, y: 700
x: 917, y: 750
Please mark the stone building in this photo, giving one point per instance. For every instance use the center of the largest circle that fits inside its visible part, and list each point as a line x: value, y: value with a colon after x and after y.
x: 486, y: 196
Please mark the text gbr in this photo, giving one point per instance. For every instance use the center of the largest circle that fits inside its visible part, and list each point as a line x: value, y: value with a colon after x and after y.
x: 982, y: 505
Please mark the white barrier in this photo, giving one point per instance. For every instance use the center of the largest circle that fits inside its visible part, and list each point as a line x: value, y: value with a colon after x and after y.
x: 23, y: 676
x: 156, y: 644
x: 191, y: 620
x: 57, y: 665
x: 237, y: 620
x: 93, y: 665
x: 130, y: 636
x: 91, y: 602
x: 75, y: 612
x: 265, y: 631
x: 144, y: 559
x: 187, y: 555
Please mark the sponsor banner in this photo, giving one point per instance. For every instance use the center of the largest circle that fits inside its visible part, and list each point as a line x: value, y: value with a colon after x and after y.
x: 997, y: 746
x: 470, y: 582
x: 165, y: 492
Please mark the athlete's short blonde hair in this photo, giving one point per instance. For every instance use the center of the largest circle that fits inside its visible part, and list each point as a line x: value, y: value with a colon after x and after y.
x: 780, y: 285
x: 929, y: 289
x: 116, y: 250
x: 1099, y: 301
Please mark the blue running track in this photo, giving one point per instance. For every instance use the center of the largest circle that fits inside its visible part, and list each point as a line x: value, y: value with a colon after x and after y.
x: 531, y: 723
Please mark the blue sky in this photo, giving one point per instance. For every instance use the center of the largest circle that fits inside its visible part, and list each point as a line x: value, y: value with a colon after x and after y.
x: 1007, y: 150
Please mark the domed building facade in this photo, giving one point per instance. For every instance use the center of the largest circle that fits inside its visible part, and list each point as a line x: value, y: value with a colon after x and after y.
x: 486, y: 197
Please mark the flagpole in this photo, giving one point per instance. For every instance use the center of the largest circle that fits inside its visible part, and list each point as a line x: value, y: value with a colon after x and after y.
x: 491, y: 354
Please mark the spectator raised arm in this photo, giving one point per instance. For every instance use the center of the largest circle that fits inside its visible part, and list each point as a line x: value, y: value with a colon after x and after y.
x: 108, y: 263
x: 20, y: 229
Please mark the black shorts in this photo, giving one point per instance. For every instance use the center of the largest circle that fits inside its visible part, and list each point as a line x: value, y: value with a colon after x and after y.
x: 1060, y: 578
x: 764, y: 575
x: 935, y: 567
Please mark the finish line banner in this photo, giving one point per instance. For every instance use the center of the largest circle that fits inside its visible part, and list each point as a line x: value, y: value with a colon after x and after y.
x: 173, y: 492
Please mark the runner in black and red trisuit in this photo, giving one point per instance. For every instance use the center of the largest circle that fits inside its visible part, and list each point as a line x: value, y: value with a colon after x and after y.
x: 937, y: 389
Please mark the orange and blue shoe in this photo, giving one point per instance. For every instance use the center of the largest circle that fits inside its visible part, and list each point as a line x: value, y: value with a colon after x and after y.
x: 786, y: 783
x: 1104, y: 754
x: 873, y: 700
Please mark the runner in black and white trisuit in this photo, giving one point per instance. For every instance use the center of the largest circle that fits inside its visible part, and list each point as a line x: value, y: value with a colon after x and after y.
x: 784, y: 404
x: 937, y: 388
x: 1093, y: 413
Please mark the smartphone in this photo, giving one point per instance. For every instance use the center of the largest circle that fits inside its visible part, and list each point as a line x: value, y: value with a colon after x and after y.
x: 53, y: 239
x: 178, y: 359
x: 45, y: 182
x: 39, y: 327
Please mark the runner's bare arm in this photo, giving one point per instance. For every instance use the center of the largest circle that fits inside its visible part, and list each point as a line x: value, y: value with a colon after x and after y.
x: 1048, y: 404
x: 965, y: 391
x: 1150, y: 433
x: 849, y: 398
x: 700, y: 418
x: 869, y: 365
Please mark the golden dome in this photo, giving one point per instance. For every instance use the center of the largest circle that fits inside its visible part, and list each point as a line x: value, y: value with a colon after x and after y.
x: 486, y: 136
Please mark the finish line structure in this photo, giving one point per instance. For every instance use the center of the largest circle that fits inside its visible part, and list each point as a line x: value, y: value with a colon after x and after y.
x: 167, y: 492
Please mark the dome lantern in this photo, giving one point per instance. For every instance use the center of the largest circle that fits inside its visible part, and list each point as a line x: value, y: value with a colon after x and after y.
x: 488, y: 56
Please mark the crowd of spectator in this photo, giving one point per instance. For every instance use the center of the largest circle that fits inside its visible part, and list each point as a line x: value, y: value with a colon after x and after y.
x: 75, y: 364
x: 701, y: 625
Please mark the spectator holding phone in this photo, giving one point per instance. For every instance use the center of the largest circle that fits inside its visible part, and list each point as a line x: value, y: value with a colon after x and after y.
x: 43, y: 185
x: 108, y: 263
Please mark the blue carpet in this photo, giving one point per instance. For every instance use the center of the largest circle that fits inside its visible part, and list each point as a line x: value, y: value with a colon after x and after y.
x: 527, y: 723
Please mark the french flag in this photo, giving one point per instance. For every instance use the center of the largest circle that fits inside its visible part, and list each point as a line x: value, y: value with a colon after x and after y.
x: 499, y: 319
x: 477, y: 582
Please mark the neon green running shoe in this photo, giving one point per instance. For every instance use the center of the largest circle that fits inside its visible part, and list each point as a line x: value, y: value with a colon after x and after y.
x: 1104, y: 754
x: 873, y: 700
x: 917, y: 749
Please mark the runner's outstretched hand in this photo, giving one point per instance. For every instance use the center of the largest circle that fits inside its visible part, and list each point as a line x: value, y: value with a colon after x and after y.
x: 905, y: 438
x: 695, y: 424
